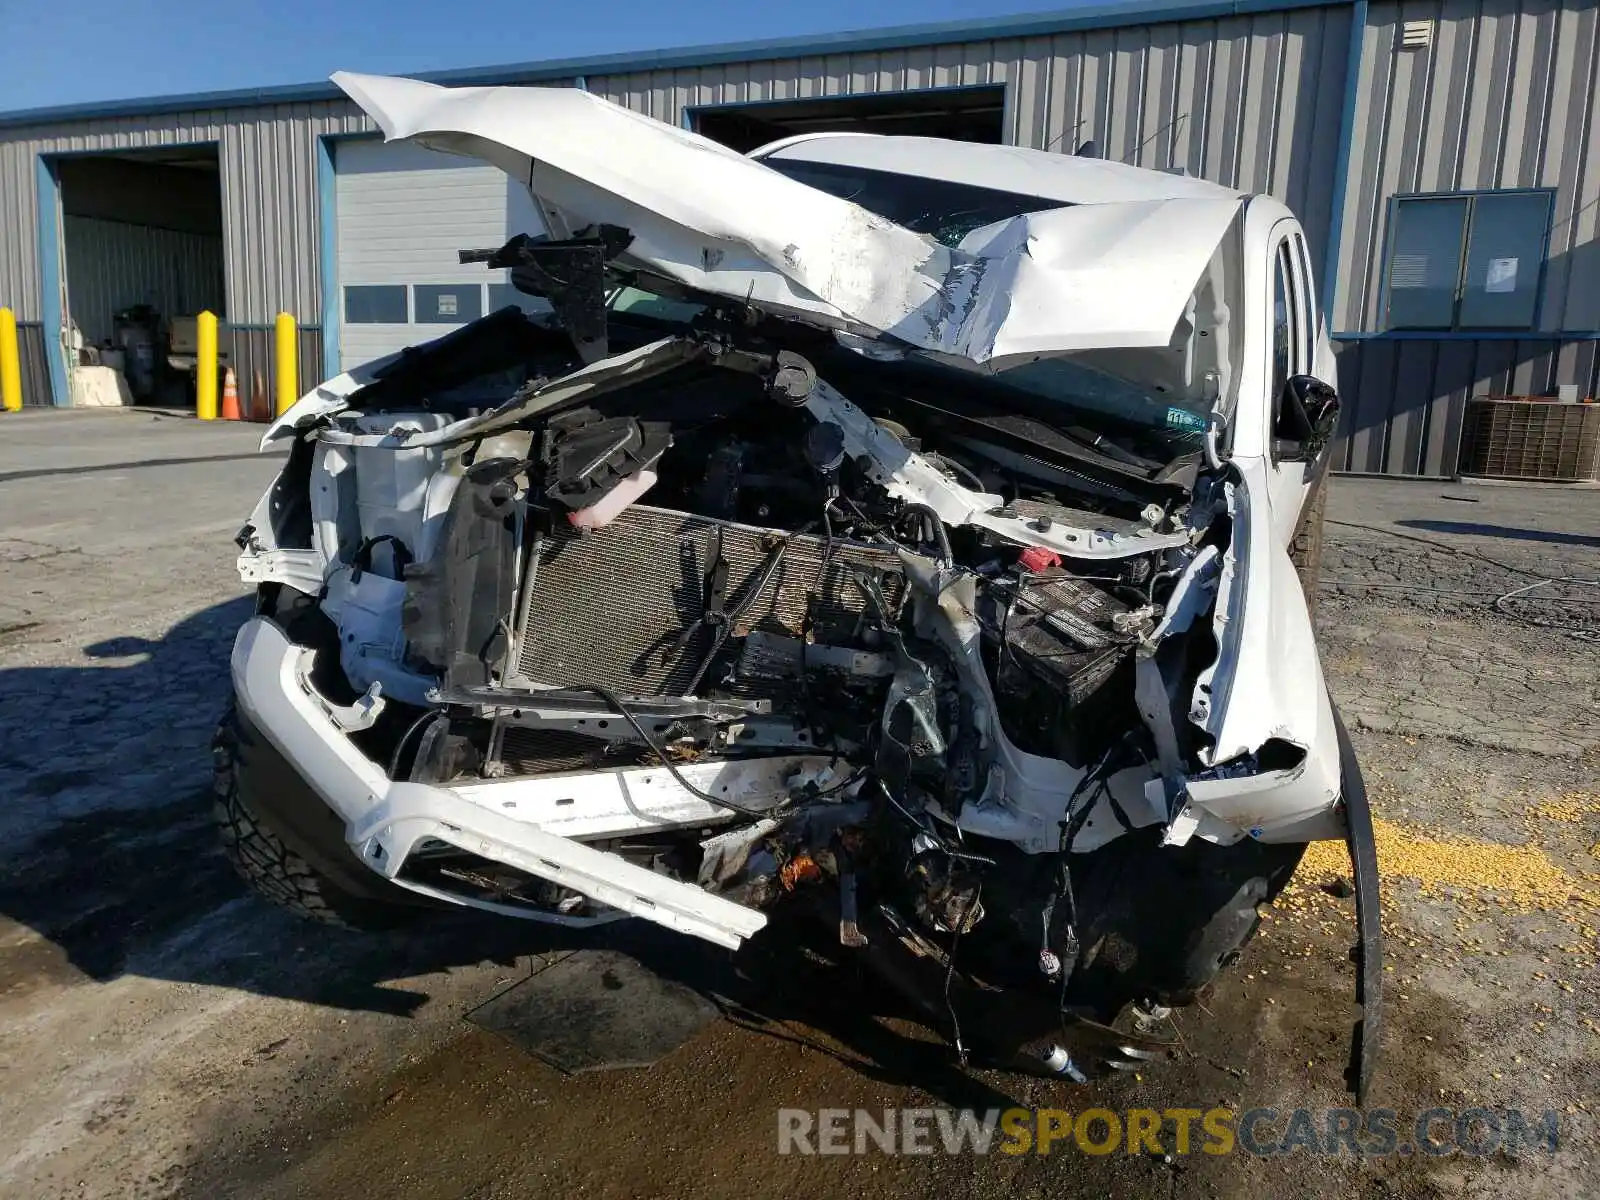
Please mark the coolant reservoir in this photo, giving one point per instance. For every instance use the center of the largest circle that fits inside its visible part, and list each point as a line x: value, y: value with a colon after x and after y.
x: 610, y: 506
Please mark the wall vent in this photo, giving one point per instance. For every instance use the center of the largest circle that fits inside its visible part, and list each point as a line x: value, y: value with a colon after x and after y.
x: 1416, y: 35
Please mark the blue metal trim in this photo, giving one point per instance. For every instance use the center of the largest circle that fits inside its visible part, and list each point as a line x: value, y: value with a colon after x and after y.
x: 1096, y: 16
x: 1470, y: 335
x: 1453, y: 195
x: 328, y: 248
x: 1341, y: 162
x: 48, y: 189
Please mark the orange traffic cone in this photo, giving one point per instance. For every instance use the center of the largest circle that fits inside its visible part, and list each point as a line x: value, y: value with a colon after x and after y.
x: 230, y: 397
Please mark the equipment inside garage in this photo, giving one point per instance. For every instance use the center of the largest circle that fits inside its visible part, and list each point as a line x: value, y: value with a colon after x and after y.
x: 142, y: 240
x: 969, y: 114
x: 404, y: 214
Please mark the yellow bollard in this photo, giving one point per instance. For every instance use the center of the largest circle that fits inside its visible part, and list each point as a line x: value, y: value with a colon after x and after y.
x: 288, y: 370
x: 205, y: 379
x: 10, y: 363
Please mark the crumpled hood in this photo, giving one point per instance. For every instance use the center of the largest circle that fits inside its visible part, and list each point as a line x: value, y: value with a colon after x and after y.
x: 1051, y: 282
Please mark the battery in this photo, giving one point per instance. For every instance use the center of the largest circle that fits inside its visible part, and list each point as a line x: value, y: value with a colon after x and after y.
x: 1056, y: 629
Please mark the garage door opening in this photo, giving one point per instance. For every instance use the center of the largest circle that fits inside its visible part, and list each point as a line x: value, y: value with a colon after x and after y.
x: 968, y: 114
x: 142, y: 241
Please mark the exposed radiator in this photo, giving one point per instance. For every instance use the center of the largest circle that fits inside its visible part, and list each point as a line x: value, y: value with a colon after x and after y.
x: 609, y: 606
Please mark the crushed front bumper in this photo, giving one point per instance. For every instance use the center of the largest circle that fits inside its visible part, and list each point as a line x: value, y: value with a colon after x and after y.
x: 509, y: 821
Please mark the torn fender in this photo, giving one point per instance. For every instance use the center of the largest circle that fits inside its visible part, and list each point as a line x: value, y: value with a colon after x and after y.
x: 1050, y: 282
x: 1265, y: 685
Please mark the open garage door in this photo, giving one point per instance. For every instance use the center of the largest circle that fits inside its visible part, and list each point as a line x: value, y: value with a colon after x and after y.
x: 404, y: 213
x: 968, y: 114
x: 141, y: 234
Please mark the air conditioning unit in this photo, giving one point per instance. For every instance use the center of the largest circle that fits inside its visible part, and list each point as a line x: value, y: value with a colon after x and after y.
x: 1416, y: 35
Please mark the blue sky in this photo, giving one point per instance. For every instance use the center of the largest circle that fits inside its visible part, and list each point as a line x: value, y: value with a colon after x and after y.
x: 57, y: 52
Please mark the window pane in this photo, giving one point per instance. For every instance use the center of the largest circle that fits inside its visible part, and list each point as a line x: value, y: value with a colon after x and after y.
x: 640, y: 303
x: 447, y: 303
x: 1425, y: 263
x: 1282, y: 330
x: 375, y: 304
x: 1309, y: 305
x: 1504, y: 253
x: 503, y: 295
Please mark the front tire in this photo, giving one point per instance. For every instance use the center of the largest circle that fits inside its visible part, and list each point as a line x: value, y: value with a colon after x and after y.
x: 263, y: 857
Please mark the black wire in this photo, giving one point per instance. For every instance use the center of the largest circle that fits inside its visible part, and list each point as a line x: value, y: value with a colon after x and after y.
x: 731, y: 618
x: 394, y: 759
x: 721, y: 802
x: 950, y: 969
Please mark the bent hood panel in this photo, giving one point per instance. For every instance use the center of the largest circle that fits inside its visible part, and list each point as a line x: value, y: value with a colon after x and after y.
x: 1048, y: 282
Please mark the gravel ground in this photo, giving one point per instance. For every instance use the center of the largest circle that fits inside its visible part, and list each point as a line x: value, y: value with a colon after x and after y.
x: 162, y: 1033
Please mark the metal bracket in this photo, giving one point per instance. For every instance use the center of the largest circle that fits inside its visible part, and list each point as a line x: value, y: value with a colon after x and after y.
x: 361, y: 714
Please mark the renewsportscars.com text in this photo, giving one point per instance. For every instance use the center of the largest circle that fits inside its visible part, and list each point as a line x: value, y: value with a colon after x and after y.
x: 1373, y: 1132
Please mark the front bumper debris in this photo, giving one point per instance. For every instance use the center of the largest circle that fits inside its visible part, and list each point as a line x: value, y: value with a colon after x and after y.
x: 386, y: 820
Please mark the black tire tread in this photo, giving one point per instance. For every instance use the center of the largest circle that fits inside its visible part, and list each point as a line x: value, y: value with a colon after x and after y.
x: 270, y: 868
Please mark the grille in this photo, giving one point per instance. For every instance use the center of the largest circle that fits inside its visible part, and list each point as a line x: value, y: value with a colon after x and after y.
x: 609, y: 606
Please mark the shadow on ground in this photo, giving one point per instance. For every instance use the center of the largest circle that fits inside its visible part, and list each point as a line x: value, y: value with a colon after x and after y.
x: 116, y: 869
x: 1511, y: 533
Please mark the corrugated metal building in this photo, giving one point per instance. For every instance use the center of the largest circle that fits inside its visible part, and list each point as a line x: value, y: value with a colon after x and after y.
x: 1442, y: 155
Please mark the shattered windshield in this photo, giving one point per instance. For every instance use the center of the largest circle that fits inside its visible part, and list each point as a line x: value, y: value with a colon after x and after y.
x: 942, y: 210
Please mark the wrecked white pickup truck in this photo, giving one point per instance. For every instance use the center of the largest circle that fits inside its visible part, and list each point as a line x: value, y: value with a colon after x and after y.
x: 916, y: 532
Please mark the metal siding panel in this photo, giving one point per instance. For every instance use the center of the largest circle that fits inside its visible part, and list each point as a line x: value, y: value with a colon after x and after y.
x: 1374, y: 406
x: 1316, y: 143
x: 1485, y: 115
x: 1361, y: 231
x: 1258, y: 83
x: 1194, y: 92
x: 1288, y: 63
x: 1408, y: 107
x: 1538, y: 66
x: 1440, y: 152
x: 35, y: 372
x: 1124, y: 119
x: 1452, y: 384
x: 1066, y: 86
x: 20, y: 281
x: 1400, y: 138
x: 1347, y: 367
x: 1160, y: 97
x: 1030, y: 95
x: 1492, y: 375
x: 1531, y: 374
x: 1408, y: 415
x: 1578, y: 252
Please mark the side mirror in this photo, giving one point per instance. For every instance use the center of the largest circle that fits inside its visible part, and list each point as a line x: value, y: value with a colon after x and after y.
x: 1308, y: 414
